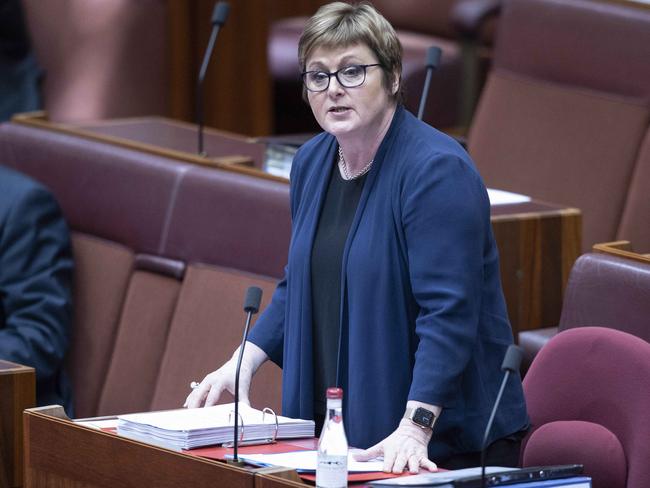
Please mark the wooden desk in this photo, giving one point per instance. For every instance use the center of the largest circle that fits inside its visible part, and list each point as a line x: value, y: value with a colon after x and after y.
x: 17, y: 392
x: 538, y: 241
x: 165, y: 137
x: 61, y: 453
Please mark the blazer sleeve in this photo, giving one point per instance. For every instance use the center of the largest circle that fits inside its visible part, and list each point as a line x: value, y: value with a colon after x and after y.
x: 35, y: 282
x: 445, y: 217
x: 268, y: 333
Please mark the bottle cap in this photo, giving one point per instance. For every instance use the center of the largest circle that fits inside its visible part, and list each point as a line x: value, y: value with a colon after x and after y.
x: 335, y: 393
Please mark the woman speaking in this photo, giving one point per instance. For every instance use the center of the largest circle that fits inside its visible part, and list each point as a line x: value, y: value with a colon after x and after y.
x: 392, y: 288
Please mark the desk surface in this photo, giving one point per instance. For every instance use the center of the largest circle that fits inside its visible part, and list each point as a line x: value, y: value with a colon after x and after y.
x: 177, y: 136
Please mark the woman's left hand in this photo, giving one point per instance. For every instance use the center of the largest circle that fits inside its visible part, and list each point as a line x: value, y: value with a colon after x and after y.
x: 406, y: 447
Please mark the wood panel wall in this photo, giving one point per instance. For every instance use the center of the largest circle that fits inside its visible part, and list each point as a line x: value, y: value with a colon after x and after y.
x: 237, y: 92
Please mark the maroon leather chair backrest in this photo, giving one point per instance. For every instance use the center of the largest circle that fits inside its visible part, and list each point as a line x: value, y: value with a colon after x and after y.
x: 603, y: 290
x: 608, y: 291
x: 588, y: 397
x: 101, y: 189
x: 243, y: 222
x: 566, y: 107
x: 155, y: 205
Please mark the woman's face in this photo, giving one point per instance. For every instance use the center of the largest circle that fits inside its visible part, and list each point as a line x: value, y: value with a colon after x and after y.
x: 341, y: 111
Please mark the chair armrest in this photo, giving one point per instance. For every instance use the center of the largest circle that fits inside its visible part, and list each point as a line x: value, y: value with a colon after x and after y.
x: 531, y: 341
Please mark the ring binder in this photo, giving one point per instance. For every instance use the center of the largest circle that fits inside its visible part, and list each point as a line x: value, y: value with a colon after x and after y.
x: 189, y: 428
x: 257, y: 441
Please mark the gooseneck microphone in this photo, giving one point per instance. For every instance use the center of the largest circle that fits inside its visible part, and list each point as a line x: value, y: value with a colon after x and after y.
x: 251, y: 307
x: 219, y: 15
x: 432, y: 61
x: 510, y: 364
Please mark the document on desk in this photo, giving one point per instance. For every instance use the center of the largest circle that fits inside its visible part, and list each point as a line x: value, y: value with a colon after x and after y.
x: 100, y: 423
x: 501, y: 197
x: 189, y: 428
x: 305, y: 461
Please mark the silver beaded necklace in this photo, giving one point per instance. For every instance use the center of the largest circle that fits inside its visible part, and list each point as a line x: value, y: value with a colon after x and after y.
x: 346, y: 172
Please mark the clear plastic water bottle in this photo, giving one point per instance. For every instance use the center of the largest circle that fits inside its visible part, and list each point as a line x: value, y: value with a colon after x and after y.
x: 332, y: 467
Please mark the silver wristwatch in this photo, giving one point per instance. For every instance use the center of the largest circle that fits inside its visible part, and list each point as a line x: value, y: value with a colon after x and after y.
x: 421, y: 417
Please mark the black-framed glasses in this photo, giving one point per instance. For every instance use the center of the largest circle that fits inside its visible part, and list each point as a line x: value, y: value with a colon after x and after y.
x: 348, y: 77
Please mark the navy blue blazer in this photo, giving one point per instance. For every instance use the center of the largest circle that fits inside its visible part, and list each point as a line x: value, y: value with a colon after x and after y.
x: 35, y: 284
x: 422, y: 310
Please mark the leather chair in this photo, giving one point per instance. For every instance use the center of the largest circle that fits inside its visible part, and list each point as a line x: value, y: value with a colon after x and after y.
x: 456, y: 26
x: 605, y: 291
x: 588, y: 395
x: 566, y: 108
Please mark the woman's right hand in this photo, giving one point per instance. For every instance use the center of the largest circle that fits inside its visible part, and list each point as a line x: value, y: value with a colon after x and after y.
x: 211, y: 387
x: 207, y: 393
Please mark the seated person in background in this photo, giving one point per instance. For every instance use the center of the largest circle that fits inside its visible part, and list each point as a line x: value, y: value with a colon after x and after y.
x: 392, y: 289
x: 20, y: 74
x: 35, y: 284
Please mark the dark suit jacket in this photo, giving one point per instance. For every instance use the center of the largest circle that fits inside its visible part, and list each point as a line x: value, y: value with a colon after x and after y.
x: 20, y: 74
x: 423, y: 315
x: 35, y: 284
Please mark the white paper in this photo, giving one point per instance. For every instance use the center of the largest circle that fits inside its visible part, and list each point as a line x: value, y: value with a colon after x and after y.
x: 502, y: 197
x: 98, y: 424
x: 190, y: 428
x: 305, y: 461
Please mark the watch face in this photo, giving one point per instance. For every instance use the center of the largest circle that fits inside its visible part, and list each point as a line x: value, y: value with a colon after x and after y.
x: 423, y: 417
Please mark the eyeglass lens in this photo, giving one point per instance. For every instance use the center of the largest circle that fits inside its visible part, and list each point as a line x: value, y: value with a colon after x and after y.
x: 349, y: 77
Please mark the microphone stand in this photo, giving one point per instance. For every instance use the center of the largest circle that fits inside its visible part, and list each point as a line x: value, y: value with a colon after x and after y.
x: 219, y: 15
x: 251, y: 307
x: 511, y: 363
x: 432, y: 61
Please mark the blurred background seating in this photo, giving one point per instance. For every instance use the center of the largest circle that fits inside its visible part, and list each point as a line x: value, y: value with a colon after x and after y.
x: 604, y: 290
x: 564, y: 115
x: 20, y: 74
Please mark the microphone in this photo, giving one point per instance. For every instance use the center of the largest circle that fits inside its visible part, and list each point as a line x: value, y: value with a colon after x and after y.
x: 432, y: 61
x: 251, y: 307
x: 219, y: 15
x: 510, y: 364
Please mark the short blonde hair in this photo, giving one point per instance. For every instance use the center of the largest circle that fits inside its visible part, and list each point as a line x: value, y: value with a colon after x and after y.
x: 342, y: 24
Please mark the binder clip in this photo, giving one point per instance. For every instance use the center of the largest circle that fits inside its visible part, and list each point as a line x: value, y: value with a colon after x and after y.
x: 255, y: 441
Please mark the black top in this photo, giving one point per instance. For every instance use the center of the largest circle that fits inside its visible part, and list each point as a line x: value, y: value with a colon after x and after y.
x: 334, y: 224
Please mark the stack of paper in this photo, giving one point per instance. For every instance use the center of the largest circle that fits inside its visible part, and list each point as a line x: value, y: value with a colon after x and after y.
x: 197, y: 427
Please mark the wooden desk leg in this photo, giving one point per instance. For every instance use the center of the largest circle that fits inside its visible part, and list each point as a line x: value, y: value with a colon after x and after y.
x: 4, y: 465
x: 17, y: 392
